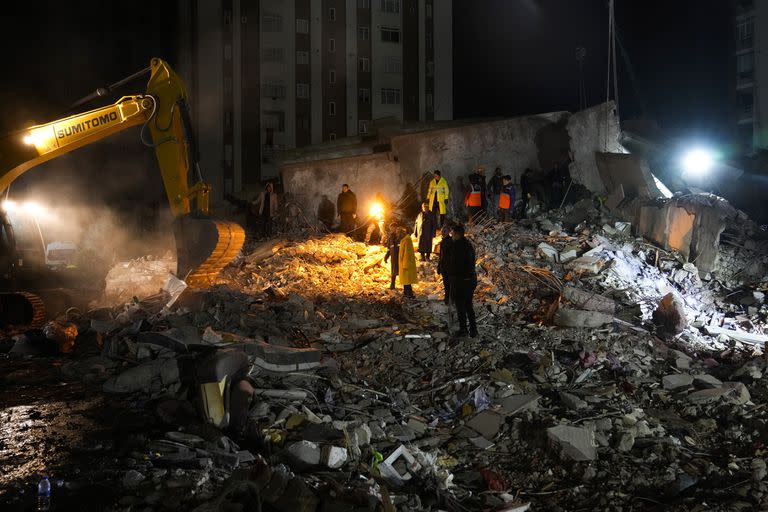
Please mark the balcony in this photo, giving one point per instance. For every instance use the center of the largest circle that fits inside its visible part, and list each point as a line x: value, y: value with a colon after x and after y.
x: 745, y: 44
x: 745, y: 80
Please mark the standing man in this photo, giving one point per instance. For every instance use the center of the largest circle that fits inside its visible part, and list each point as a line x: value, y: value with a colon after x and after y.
x: 346, y: 205
x: 476, y: 201
x: 442, y: 262
x: 437, y: 196
x: 494, y: 187
x: 407, y: 260
x: 425, y: 231
x: 393, y: 253
x: 525, y: 190
x: 506, y: 201
x: 266, y: 206
x: 463, y: 278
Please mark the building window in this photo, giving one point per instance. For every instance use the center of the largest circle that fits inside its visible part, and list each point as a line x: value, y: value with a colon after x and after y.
x: 304, y: 123
x: 364, y: 95
x: 274, y: 90
x: 302, y: 26
x: 430, y: 68
x: 745, y: 32
x: 331, y: 45
x: 428, y: 9
x: 390, y: 96
x: 363, y: 33
x: 332, y: 76
x: 331, y: 136
x: 364, y: 64
x: 332, y: 14
x: 271, y: 22
x: 745, y: 65
x: 331, y: 108
x: 362, y: 126
x: 390, y: 5
x: 274, y: 120
x: 428, y: 40
x: 272, y: 55
x: 392, y: 65
x: 302, y: 58
x: 302, y: 90
x: 363, y: 4
x: 390, y: 35
x: 428, y: 99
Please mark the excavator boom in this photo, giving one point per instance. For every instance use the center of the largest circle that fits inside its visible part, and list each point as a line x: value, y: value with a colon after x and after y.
x: 204, y: 246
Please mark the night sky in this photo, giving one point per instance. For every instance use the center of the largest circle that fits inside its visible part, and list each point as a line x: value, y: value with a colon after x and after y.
x: 511, y: 57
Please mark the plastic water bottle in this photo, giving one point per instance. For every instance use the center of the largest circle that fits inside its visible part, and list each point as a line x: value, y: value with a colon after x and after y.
x: 44, y: 494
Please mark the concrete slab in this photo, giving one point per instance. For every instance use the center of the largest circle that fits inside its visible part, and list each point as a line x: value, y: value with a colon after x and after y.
x: 576, y: 443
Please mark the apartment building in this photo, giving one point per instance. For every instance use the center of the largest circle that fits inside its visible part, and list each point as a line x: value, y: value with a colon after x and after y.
x: 266, y: 75
x: 751, y: 80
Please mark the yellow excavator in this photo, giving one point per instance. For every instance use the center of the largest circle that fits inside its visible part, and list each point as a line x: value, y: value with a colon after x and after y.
x: 203, y: 245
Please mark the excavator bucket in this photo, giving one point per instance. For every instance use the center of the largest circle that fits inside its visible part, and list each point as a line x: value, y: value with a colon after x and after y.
x: 205, y: 246
x: 21, y: 309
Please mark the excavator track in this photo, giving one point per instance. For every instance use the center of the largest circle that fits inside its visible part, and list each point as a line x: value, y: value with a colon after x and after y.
x: 20, y: 311
x: 204, y: 247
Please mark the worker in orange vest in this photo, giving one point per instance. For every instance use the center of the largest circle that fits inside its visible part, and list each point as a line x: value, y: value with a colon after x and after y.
x: 506, y: 198
x: 475, y: 199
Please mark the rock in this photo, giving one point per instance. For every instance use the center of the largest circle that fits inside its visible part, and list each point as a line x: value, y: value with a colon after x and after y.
x: 583, y: 299
x: 576, y: 443
x: 587, y: 264
x: 516, y: 403
x: 706, y: 395
x: 568, y: 255
x: 547, y: 251
x: 736, y: 392
x: 677, y: 382
x: 334, y: 456
x: 306, y: 452
x: 148, y: 377
x: 577, y: 318
x: 670, y: 315
x: 184, y: 438
x: 132, y: 478
x: 759, y: 470
x: 682, y: 360
x: 706, y: 381
x: 572, y: 401
x: 749, y: 370
x: 486, y: 423
x: 626, y: 442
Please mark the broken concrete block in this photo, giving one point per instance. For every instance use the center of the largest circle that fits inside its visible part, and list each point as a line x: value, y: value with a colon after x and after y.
x: 516, y: 403
x: 281, y: 359
x: 565, y: 317
x: 707, y: 395
x: 706, y: 381
x: 334, y: 456
x: 742, y: 336
x: 145, y: 377
x: 670, y: 315
x: 132, y: 478
x: 677, y: 382
x: 306, y: 452
x: 568, y: 255
x: 486, y: 423
x: 572, y: 401
x: 626, y: 442
x: 575, y: 443
x: 736, y: 392
x: 547, y: 251
x: 589, y: 301
x: 587, y: 264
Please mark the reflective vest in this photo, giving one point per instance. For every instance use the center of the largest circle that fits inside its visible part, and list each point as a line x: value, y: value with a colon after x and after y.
x: 475, y: 198
x: 438, y: 191
x: 505, y: 201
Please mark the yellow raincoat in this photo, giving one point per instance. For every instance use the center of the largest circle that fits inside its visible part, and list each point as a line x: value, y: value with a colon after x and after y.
x: 438, y: 191
x: 407, y: 262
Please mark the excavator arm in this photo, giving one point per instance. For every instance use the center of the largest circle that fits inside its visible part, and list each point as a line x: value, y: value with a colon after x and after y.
x: 204, y: 246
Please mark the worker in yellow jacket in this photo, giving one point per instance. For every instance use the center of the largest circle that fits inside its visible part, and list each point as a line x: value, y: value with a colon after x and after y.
x: 407, y: 264
x: 437, y: 197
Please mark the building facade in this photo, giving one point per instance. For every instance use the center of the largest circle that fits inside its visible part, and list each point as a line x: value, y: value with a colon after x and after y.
x: 266, y: 75
x: 751, y: 80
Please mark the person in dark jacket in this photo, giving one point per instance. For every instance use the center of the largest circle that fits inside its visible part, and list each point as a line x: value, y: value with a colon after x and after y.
x: 463, y: 277
x: 525, y: 190
x: 494, y: 189
x: 425, y: 229
x: 346, y: 205
x: 393, y: 251
x: 442, y: 262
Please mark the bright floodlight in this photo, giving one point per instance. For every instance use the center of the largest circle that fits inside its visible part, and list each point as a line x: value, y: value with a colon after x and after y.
x: 697, y: 162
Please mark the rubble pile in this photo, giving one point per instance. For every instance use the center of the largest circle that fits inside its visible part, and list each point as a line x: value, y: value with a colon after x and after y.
x: 609, y: 375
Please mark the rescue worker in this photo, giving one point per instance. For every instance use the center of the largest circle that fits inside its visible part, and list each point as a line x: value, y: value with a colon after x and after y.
x: 506, y: 201
x: 494, y: 188
x: 266, y: 206
x: 460, y: 267
x: 437, y: 197
x: 444, y: 255
x: 407, y: 264
x: 393, y: 253
x: 476, y: 197
x: 525, y: 190
x: 424, y: 231
x: 346, y: 205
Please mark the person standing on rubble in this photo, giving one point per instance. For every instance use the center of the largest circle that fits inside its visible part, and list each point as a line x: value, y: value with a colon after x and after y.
x: 525, y: 190
x: 476, y: 198
x: 424, y: 231
x: 494, y: 189
x: 506, y: 200
x: 444, y: 255
x: 393, y: 253
x: 266, y: 205
x: 437, y: 197
x: 407, y: 261
x: 346, y: 205
x: 460, y: 267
